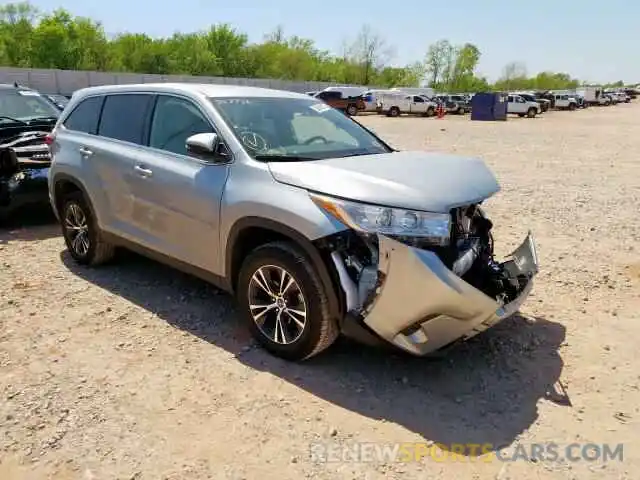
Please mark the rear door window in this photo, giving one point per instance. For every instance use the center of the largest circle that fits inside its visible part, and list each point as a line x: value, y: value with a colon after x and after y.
x: 124, y: 117
x: 85, y: 116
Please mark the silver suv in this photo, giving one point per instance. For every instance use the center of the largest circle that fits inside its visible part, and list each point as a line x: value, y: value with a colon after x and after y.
x: 314, y: 223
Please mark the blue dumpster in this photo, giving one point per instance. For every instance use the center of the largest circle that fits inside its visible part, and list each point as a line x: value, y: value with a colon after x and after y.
x: 489, y: 106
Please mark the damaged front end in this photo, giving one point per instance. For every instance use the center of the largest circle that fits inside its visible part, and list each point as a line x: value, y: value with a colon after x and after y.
x: 24, y: 169
x: 421, y: 297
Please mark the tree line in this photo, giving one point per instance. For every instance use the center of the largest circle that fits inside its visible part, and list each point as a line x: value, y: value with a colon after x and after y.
x: 60, y: 40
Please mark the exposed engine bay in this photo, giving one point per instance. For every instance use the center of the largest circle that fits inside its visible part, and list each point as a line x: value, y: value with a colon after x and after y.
x: 462, y: 284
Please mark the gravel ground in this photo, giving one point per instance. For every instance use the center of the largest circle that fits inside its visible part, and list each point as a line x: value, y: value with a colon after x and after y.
x: 135, y: 371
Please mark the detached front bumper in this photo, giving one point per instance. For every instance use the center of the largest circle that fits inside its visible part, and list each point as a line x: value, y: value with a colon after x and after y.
x: 420, y: 306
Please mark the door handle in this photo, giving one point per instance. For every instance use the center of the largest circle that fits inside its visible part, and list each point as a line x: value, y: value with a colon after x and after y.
x: 85, y: 152
x: 144, y: 172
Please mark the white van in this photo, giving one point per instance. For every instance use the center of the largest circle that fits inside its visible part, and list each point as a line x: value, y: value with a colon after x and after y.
x: 395, y: 103
x: 424, y: 91
x: 371, y: 98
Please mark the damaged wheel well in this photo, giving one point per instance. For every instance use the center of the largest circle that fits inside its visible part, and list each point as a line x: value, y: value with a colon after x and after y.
x: 248, y: 234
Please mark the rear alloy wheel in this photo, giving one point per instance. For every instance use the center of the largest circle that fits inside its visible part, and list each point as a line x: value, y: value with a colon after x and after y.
x: 352, y: 110
x: 283, y: 302
x: 531, y: 112
x: 81, y: 234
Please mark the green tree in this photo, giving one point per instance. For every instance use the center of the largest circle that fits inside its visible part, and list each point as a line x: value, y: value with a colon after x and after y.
x: 29, y: 38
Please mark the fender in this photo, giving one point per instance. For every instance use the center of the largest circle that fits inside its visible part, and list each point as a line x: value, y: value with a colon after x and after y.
x: 305, y: 244
x: 58, y: 177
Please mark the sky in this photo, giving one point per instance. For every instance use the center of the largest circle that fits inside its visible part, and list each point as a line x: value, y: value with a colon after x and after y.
x: 593, y: 41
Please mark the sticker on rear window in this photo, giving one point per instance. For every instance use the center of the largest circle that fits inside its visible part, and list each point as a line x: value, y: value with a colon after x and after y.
x: 28, y: 93
x: 320, y: 107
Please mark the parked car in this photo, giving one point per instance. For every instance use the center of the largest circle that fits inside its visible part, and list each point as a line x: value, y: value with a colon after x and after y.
x: 394, y: 104
x: 312, y: 221
x: 604, y: 100
x: 351, y: 105
x: 455, y: 103
x: 26, y: 118
x: 518, y: 105
x: 564, y: 101
x: 529, y: 97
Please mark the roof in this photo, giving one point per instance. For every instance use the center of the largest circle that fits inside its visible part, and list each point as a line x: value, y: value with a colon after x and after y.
x: 204, y: 89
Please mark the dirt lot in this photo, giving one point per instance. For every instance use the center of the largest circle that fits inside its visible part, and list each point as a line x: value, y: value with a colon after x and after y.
x: 134, y: 371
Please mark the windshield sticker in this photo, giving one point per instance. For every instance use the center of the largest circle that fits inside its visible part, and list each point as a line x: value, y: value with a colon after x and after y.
x: 320, y: 107
x: 28, y: 93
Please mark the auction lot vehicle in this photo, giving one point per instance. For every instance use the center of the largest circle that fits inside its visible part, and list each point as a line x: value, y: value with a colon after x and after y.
x: 394, y: 104
x: 26, y: 118
x: 563, y: 101
x: 312, y: 221
x: 518, y: 105
x: 530, y: 97
x: 458, y: 104
x: 346, y: 99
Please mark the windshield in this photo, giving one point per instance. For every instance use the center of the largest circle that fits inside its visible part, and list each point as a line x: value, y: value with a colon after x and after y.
x: 295, y: 129
x: 24, y: 105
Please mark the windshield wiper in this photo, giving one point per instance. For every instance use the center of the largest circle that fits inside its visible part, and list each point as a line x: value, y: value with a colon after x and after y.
x: 43, y: 119
x: 4, y: 117
x: 283, y: 158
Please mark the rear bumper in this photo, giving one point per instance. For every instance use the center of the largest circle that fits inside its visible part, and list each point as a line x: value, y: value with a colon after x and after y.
x: 421, y: 306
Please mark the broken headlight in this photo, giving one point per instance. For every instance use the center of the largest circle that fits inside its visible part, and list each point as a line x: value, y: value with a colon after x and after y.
x: 433, y: 228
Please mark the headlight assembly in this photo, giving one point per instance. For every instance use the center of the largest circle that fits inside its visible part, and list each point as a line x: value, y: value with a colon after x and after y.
x: 434, y: 228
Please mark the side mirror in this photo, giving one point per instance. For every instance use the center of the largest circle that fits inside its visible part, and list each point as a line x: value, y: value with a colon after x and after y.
x: 205, y: 145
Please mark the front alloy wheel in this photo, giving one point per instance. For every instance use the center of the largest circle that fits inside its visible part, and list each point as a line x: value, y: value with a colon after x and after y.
x: 283, y: 302
x: 277, y: 304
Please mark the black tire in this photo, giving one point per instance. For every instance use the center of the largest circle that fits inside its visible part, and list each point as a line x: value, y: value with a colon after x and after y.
x: 394, y: 112
x: 352, y: 110
x: 572, y: 106
x: 521, y: 115
x: 460, y: 111
x: 430, y: 112
x: 531, y: 112
x: 97, y: 251
x: 320, y: 329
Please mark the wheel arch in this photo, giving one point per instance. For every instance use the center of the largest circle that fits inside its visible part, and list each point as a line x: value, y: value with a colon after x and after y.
x: 249, y: 233
x: 64, y: 184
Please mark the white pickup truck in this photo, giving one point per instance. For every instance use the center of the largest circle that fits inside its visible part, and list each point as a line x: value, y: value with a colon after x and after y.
x: 395, y: 104
x: 518, y: 105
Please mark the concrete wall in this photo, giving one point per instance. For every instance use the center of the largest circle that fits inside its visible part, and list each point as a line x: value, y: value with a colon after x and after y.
x: 67, y: 81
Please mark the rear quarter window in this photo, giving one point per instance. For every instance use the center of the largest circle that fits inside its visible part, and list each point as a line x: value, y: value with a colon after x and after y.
x: 85, y: 116
x: 125, y: 117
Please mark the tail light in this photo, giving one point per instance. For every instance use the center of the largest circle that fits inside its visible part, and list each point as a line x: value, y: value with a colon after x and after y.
x: 49, y: 139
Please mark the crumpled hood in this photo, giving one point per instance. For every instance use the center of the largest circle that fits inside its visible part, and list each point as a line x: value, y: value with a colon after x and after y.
x: 426, y: 181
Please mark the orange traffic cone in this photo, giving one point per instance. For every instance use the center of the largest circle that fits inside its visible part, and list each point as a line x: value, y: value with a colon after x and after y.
x: 440, y: 111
